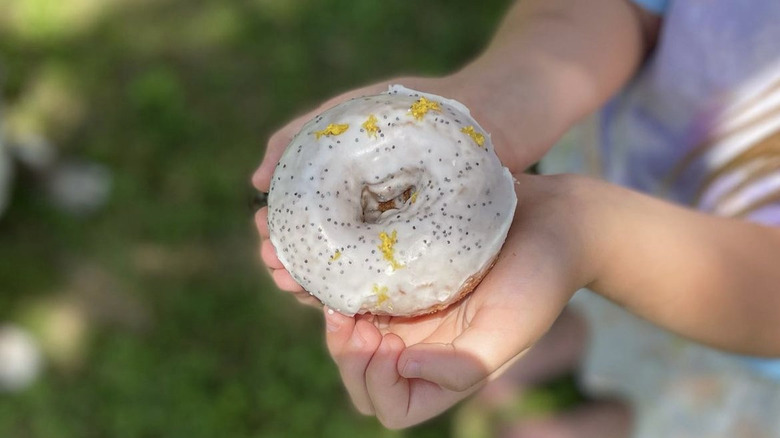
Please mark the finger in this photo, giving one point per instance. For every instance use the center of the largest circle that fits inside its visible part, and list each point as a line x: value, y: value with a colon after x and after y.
x: 261, y: 222
x: 389, y: 391
x: 338, y: 329
x: 268, y: 254
x: 399, y: 402
x: 443, y: 364
x: 352, y: 345
x: 284, y: 281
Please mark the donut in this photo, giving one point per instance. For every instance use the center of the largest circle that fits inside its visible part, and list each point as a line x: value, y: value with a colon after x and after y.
x: 394, y: 204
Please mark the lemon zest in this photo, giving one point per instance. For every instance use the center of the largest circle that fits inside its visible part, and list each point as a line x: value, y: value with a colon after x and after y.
x: 336, y: 256
x: 332, y: 129
x: 388, y: 242
x: 420, y: 108
x: 478, y: 138
x: 381, y: 294
x: 370, y: 126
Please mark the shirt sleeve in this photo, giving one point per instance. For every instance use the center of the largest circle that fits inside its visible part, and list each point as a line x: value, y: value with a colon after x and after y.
x: 655, y: 6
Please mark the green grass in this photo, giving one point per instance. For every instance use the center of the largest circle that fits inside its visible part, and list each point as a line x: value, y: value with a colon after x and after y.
x: 185, y: 336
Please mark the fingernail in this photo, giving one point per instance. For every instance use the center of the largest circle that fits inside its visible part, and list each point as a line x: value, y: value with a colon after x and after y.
x: 412, y: 369
x: 331, y: 325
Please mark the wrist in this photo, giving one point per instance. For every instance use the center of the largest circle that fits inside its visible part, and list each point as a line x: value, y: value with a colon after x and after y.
x: 590, y: 220
x: 524, y: 114
x: 566, y: 209
x: 523, y: 106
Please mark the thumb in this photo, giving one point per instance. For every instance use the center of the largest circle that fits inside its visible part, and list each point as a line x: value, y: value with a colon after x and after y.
x: 497, y: 334
x: 490, y: 341
x: 444, y: 365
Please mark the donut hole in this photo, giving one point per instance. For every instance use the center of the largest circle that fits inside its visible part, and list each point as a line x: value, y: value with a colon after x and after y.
x: 374, y: 204
x: 391, y: 195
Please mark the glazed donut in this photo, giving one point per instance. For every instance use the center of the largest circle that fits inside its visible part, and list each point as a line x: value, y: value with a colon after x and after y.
x: 390, y: 204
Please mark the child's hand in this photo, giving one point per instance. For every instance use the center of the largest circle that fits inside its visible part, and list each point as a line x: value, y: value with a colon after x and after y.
x: 406, y: 370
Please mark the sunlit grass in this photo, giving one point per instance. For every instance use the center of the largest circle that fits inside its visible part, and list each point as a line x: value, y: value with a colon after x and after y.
x: 51, y: 20
x: 49, y: 103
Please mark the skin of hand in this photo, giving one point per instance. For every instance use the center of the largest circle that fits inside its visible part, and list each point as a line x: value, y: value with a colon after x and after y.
x: 433, y: 361
x: 407, y: 370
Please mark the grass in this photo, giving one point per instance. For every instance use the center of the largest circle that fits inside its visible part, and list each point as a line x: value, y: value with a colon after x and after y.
x: 154, y: 312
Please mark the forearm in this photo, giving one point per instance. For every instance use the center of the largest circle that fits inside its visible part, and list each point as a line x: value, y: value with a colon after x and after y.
x: 550, y: 63
x: 713, y: 279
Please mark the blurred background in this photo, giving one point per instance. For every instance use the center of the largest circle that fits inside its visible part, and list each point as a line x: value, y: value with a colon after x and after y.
x: 132, y: 302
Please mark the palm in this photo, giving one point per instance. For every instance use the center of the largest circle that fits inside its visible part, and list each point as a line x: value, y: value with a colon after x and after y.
x: 439, y: 327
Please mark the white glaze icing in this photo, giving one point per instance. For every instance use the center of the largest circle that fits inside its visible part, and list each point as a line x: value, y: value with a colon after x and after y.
x: 454, y: 204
